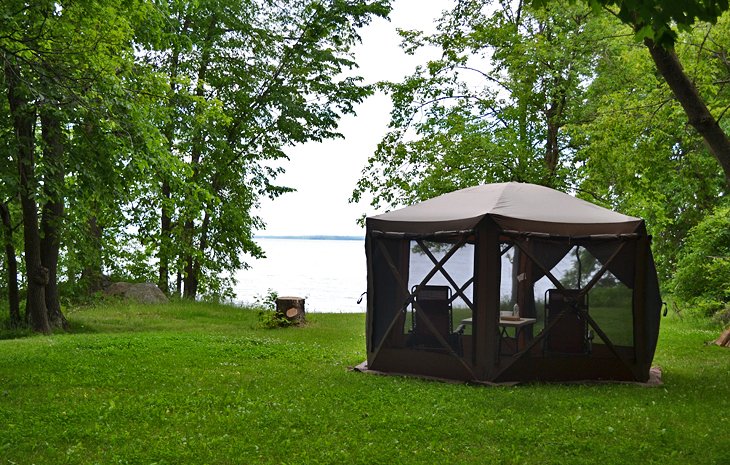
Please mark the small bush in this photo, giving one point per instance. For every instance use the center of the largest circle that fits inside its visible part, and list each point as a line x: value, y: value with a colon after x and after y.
x: 271, y: 320
x: 268, y: 317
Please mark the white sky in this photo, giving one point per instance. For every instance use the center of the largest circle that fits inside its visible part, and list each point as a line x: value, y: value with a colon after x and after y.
x: 324, y: 174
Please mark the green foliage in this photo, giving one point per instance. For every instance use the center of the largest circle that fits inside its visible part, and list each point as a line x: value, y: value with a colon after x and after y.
x: 269, y: 318
x: 192, y: 383
x: 560, y: 94
x: 657, y: 19
x: 266, y: 301
x: 247, y: 79
x: 702, y: 279
x: 637, y: 154
x: 493, y: 108
x: 177, y: 111
x: 272, y: 320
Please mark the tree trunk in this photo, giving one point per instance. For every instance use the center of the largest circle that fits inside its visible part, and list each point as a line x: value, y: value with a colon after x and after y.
x: 291, y: 308
x: 52, y: 216
x: 724, y: 339
x: 190, y: 281
x: 192, y: 267
x: 165, y: 239
x: 553, y: 120
x: 36, y: 274
x: 178, y: 284
x: 163, y: 281
x: 686, y: 93
x: 202, y: 247
x: 12, y: 266
x: 24, y: 117
x: 91, y: 274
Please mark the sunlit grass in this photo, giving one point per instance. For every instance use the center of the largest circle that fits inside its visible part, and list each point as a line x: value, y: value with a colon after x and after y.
x: 201, y: 383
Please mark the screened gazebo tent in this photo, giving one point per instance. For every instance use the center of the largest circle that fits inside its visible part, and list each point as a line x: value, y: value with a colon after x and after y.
x: 511, y: 282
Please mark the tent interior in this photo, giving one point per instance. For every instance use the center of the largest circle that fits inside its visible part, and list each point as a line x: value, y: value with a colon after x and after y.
x: 498, y: 305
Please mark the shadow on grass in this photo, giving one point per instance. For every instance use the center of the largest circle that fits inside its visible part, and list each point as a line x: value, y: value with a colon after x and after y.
x: 76, y: 327
x: 9, y: 333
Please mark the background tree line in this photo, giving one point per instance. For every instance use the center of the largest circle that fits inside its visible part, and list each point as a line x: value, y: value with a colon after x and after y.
x: 624, y: 103
x: 138, y: 135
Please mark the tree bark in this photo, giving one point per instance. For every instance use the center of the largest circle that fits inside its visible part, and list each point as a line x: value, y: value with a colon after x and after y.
x: 165, y: 239
x: 190, y: 281
x: 24, y: 117
x: 91, y: 274
x: 697, y: 112
x: 291, y: 308
x: 724, y: 339
x: 553, y: 120
x: 194, y: 271
x: 52, y: 214
x: 12, y: 266
x: 178, y: 284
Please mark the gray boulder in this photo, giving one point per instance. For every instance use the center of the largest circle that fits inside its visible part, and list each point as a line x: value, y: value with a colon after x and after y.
x: 144, y: 293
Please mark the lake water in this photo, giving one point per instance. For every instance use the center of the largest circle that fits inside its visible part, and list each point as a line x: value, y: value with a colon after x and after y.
x: 330, y: 274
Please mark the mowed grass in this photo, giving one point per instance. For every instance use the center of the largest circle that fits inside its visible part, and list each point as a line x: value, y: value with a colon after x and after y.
x: 201, y: 383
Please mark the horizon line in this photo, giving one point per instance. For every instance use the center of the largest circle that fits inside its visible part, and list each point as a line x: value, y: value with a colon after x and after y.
x: 340, y: 237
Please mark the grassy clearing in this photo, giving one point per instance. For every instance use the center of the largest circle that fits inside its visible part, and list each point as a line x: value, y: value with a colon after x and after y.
x: 200, y: 383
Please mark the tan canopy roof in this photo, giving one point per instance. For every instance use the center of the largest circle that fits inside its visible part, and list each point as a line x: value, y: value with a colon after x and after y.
x: 513, y: 206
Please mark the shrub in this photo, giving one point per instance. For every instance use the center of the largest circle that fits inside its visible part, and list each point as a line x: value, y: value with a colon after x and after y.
x: 268, y: 317
x: 702, y: 279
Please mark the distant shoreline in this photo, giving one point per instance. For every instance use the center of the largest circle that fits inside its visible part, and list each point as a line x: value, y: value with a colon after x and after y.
x: 316, y: 238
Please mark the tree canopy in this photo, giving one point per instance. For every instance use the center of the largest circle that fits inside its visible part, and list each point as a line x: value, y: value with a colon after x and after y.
x: 561, y: 94
x: 142, y: 134
x: 654, y: 23
x: 659, y: 20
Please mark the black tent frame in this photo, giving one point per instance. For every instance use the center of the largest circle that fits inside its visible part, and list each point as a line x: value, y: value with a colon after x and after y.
x: 483, y: 361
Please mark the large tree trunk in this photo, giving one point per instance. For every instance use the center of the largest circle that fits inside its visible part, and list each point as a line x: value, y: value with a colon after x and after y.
x: 52, y: 215
x: 24, y: 117
x: 12, y: 266
x: 686, y: 93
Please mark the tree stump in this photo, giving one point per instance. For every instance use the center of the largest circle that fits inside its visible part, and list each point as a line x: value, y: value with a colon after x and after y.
x: 724, y: 339
x: 291, y: 308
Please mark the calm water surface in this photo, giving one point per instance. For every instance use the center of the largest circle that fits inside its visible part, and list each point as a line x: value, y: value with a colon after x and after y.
x: 330, y: 274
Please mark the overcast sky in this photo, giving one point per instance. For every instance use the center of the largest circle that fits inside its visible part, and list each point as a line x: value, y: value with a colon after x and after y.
x: 325, y: 174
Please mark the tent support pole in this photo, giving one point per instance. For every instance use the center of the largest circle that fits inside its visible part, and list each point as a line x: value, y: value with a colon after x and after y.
x: 639, y: 310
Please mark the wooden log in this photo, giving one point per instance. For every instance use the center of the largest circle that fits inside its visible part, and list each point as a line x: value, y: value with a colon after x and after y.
x: 291, y: 308
x: 724, y: 339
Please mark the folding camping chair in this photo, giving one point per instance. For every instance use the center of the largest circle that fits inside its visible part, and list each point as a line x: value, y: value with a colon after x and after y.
x: 569, y: 334
x: 432, y: 305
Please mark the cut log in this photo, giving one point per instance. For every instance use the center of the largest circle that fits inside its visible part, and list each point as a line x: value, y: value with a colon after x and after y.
x: 291, y: 308
x: 724, y: 339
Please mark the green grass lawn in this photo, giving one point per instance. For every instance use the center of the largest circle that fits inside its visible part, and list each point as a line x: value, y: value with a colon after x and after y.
x: 200, y: 383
